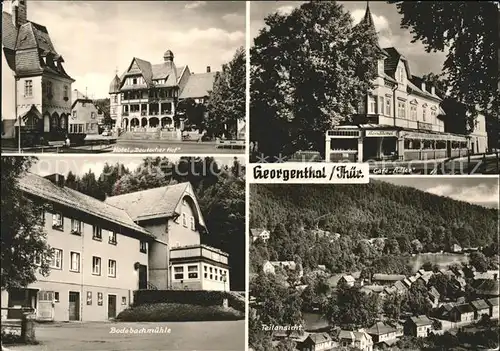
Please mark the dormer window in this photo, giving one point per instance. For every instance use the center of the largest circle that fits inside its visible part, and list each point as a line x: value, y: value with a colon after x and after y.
x: 66, y: 94
x: 134, y: 81
x: 401, y: 75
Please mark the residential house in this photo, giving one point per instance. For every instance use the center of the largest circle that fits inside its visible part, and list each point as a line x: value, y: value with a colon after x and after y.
x: 444, y: 311
x: 433, y: 296
x: 317, y: 342
x: 268, y: 268
x: 424, y: 278
x: 493, y: 305
x: 289, y: 265
x: 383, y: 333
x: 418, y: 326
x: 401, y: 288
x: 480, y: 307
x: 322, y: 267
x: 386, y: 279
x: 85, y: 115
x: 35, y: 86
x: 360, y: 340
x: 100, y: 256
x: 455, y: 248
x: 348, y: 280
x: 259, y: 233
x: 179, y: 259
x: 462, y: 313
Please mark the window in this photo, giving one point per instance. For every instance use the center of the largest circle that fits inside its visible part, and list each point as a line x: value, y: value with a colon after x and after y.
x: 112, y: 268
x: 65, y: 91
x: 28, y: 88
x: 413, y: 112
x: 124, y: 300
x: 56, y: 261
x: 387, y: 106
x: 381, y: 105
x: 89, y: 297
x: 134, y: 108
x: 56, y: 296
x: 115, y: 99
x: 143, y: 247
x: 134, y: 81
x: 96, y: 233
x: 48, y: 87
x: 424, y: 114
x: 76, y: 227
x: 74, y: 262
x: 178, y: 272
x: 99, y: 298
x: 193, y: 272
x: 96, y: 265
x: 92, y: 115
x: 57, y: 221
x: 38, y: 260
x: 372, y: 105
x: 112, y: 238
x: 184, y: 221
x: 193, y: 226
x: 74, y: 114
x: 401, y: 75
x: 401, y: 109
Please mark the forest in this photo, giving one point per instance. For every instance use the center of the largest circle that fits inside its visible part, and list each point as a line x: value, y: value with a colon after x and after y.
x: 220, y: 190
x: 326, y: 225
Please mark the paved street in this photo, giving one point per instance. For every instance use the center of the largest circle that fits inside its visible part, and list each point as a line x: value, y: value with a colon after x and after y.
x: 97, y: 336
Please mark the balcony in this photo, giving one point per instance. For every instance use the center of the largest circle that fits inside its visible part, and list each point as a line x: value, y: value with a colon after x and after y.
x: 200, y: 252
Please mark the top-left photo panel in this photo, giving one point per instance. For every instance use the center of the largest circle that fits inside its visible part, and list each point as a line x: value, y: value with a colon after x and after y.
x: 123, y: 77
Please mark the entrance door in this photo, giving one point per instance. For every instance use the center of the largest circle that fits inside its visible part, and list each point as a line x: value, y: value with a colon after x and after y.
x: 74, y: 306
x: 111, y: 306
x: 143, y: 277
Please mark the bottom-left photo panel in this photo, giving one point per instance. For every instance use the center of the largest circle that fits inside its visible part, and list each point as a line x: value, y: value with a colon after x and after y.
x: 123, y: 253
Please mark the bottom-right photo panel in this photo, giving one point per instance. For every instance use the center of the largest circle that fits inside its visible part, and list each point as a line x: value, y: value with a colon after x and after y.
x: 403, y: 263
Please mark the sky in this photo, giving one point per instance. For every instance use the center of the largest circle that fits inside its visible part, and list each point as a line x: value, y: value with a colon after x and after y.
x: 387, y: 23
x: 81, y: 164
x: 482, y: 191
x: 96, y: 38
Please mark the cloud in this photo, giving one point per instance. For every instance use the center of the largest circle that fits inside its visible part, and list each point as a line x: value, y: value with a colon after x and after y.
x: 285, y: 10
x: 234, y: 19
x: 194, y: 4
x: 381, y: 22
x: 481, y: 194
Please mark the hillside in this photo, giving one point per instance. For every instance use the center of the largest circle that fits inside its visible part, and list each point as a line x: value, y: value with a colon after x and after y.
x: 375, y: 210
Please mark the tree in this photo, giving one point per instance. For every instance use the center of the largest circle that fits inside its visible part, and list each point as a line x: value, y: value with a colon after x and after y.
x: 392, y: 306
x: 226, y: 102
x: 103, y: 105
x: 416, y: 301
x: 193, y: 112
x: 310, y: 69
x: 22, y: 236
x: 466, y: 30
x: 478, y: 260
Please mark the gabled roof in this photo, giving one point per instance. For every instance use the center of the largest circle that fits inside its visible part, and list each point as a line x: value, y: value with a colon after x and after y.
x: 198, y: 85
x: 392, y: 61
x: 318, y: 338
x: 479, y: 305
x: 45, y: 189
x: 349, y: 278
x: 433, y: 291
x: 493, y: 301
x: 381, y: 328
x: 421, y: 320
x: 257, y: 231
x: 151, y: 203
x: 388, y: 277
x: 400, y: 286
x: 464, y: 308
x: 166, y: 70
x: 353, y: 335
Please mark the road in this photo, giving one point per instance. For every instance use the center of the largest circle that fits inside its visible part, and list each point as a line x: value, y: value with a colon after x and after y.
x: 98, y: 336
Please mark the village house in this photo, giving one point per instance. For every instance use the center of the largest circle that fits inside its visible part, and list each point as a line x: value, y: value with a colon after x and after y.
x: 493, y: 307
x: 386, y: 279
x: 289, y: 265
x: 317, y: 342
x: 36, y: 90
x: 85, y: 115
x: 348, y: 280
x: 444, y: 311
x: 480, y: 307
x: 418, y: 326
x: 401, y: 118
x: 357, y: 339
x: 455, y: 248
x: 260, y: 234
x: 462, y: 313
x: 434, y: 297
x: 384, y: 333
x: 268, y: 268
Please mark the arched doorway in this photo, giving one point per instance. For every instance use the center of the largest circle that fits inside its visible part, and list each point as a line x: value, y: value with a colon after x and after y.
x: 63, y: 122
x: 134, y: 122
x: 154, y: 122
x: 166, y: 122
x: 46, y: 122
x: 144, y: 122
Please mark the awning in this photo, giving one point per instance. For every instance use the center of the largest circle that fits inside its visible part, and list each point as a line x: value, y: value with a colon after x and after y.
x: 33, y: 112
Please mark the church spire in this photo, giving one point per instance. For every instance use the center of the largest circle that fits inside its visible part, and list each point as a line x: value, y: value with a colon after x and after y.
x: 368, y: 19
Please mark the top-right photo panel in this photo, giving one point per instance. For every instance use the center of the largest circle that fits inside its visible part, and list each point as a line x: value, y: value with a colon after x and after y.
x: 410, y: 87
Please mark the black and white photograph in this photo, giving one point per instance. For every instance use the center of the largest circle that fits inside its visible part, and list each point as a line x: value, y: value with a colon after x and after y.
x: 406, y: 263
x: 123, y: 76
x: 397, y: 84
x: 123, y: 253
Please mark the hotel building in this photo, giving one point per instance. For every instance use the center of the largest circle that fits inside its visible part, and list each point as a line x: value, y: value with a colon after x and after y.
x: 104, y: 251
x: 36, y: 90
x: 146, y: 95
x: 401, y: 119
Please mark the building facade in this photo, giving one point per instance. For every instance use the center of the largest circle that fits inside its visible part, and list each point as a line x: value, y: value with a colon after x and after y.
x: 36, y: 90
x: 177, y: 258
x: 401, y: 119
x: 85, y: 116
x: 90, y: 278
x: 146, y: 95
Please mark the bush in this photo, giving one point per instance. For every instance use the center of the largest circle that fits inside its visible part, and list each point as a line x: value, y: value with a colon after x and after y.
x: 176, y: 312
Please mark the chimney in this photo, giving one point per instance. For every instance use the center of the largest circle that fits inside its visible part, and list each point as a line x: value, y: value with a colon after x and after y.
x: 57, y: 179
x: 19, y: 12
x: 433, y: 90
x: 423, y: 86
x: 208, y: 69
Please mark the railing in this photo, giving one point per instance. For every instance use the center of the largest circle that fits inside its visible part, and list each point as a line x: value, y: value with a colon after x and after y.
x: 151, y: 286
